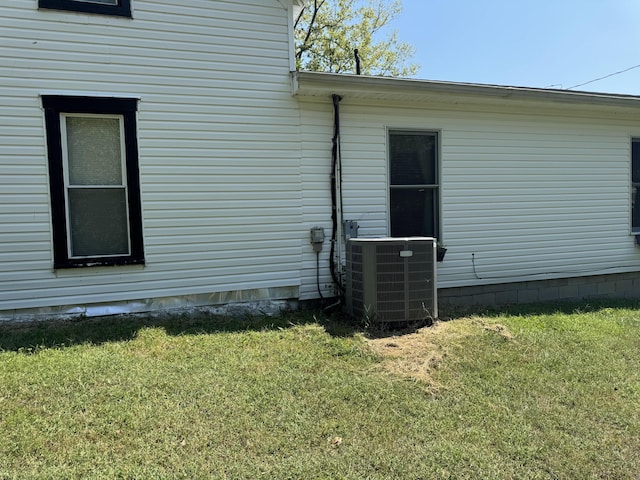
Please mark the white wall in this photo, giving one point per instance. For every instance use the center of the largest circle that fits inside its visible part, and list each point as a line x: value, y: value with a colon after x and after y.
x: 218, y: 135
x: 234, y: 171
x: 531, y: 191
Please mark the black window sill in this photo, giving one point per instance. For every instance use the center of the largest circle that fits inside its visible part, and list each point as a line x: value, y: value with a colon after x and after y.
x: 122, y: 9
x: 98, y: 262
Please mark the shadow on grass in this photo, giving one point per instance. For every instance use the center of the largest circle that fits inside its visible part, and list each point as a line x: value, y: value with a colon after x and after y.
x: 31, y: 337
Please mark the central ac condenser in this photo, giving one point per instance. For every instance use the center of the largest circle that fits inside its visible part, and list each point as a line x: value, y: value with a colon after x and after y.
x: 391, y: 279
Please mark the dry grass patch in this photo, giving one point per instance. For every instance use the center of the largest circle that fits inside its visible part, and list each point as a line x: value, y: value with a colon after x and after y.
x: 416, y: 355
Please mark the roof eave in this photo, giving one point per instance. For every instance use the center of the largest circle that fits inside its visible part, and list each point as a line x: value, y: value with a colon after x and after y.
x: 319, y: 83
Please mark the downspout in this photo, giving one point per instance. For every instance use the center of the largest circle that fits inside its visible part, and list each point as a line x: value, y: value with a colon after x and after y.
x: 335, y: 257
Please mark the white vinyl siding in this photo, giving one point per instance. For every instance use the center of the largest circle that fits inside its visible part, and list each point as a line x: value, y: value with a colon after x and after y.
x: 234, y: 171
x: 316, y: 119
x: 218, y: 135
x: 527, y: 193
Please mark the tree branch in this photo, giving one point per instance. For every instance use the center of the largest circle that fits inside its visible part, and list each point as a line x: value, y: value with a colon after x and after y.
x: 317, y: 5
x: 299, y: 17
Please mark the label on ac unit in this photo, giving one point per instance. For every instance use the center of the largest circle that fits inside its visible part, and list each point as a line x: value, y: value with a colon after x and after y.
x: 406, y: 253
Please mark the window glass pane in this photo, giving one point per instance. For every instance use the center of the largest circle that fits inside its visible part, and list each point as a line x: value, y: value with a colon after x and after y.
x: 413, y: 212
x: 94, y: 151
x: 98, y: 221
x: 635, y: 161
x: 412, y: 159
x: 635, y: 209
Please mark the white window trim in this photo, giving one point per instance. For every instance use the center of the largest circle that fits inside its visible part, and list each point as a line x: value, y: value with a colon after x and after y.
x: 68, y: 186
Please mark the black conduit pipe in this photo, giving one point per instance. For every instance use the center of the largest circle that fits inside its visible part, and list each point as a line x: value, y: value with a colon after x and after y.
x: 335, y: 158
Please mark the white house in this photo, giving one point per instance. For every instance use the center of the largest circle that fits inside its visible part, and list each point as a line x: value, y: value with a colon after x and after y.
x: 157, y: 155
x: 194, y: 194
x: 532, y: 190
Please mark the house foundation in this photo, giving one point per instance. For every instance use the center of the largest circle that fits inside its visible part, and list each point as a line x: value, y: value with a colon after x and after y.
x: 613, y: 286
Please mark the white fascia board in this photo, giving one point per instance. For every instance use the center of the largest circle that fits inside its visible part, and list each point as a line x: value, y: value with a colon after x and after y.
x: 361, y: 86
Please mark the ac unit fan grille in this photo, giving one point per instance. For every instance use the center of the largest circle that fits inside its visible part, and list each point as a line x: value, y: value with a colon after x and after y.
x: 384, y: 285
x: 390, y: 296
x: 357, y: 280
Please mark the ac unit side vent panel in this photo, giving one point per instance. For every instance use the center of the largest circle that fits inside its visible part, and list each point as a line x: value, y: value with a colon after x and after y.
x: 392, y: 279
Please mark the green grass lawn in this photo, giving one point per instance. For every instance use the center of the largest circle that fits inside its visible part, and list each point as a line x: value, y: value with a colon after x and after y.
x: 532, y: 393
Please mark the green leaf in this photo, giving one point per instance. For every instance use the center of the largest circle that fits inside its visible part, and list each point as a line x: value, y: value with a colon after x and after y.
x: 328, y: 31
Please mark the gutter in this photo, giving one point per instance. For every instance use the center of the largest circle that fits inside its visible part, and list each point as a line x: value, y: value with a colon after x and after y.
x: 322, y: 84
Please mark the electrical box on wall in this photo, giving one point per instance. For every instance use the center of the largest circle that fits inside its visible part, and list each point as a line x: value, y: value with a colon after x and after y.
x: 317, y: 238
x: 350, y: 229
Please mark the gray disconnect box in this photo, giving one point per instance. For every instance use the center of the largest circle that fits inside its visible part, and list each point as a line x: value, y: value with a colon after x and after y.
x: 351, y: 229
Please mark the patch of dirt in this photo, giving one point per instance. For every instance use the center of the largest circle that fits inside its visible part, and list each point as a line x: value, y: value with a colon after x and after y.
x: 499, y: 329
x: 418, y: 354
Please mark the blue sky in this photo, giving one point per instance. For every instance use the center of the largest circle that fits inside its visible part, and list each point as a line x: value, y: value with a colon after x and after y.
x: 542, y: 43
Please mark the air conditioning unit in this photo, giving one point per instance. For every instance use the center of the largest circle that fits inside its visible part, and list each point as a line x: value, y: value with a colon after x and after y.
x: 391, y: 279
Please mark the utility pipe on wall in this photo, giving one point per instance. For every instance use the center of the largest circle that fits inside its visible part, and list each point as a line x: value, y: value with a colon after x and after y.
x: 335, y: 257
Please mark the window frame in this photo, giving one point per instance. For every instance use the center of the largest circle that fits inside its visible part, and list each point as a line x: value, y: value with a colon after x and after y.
x: 121, y: 9
x: 436, y: 134
x: 56, y: 107
x: 68, y: 186
x: 634, y: 229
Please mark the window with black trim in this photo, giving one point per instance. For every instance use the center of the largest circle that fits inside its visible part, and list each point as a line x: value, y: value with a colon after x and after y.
x: 94, y: 180
x: 635, y: 185
x: 413, y: 184
x: 121, y: 8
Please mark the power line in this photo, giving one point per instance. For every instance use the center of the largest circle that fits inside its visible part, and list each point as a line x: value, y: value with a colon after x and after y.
x: 602, y: 78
